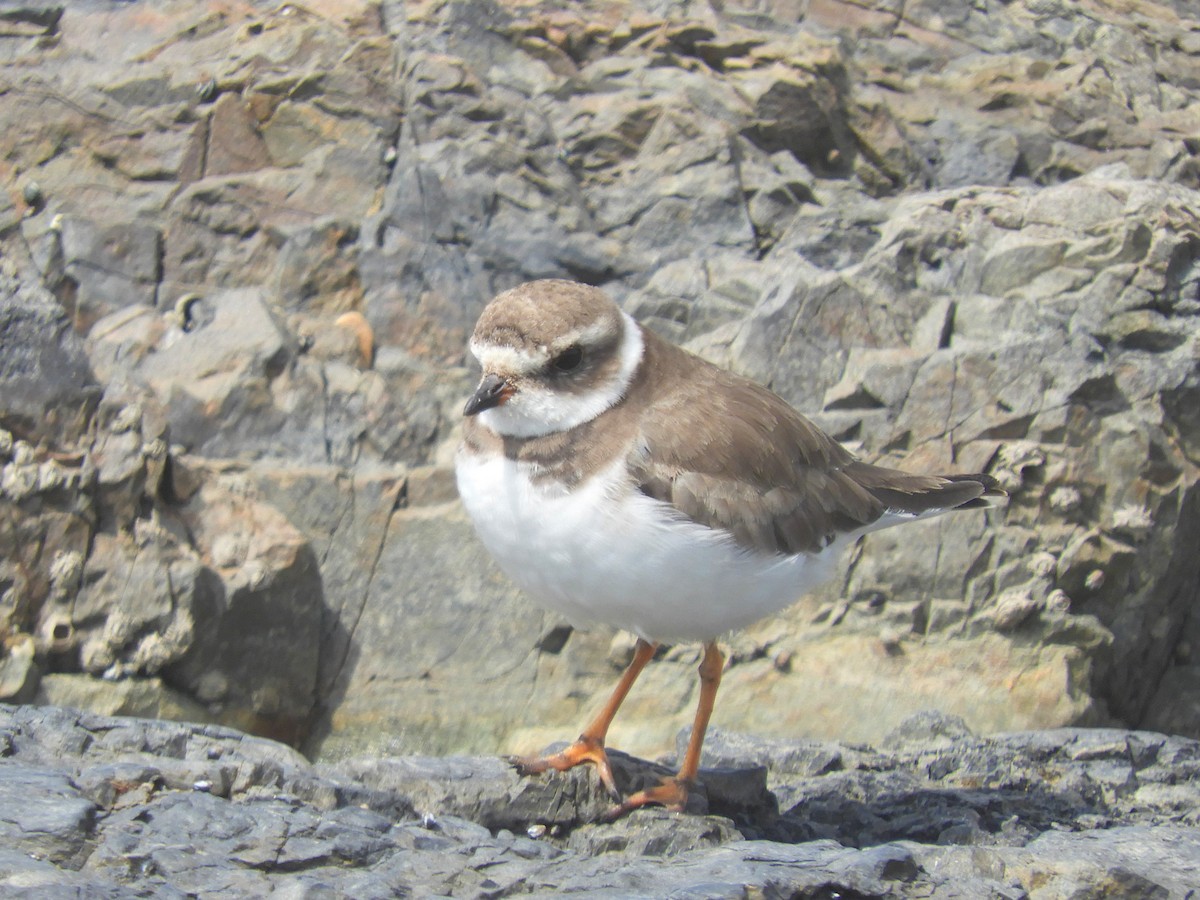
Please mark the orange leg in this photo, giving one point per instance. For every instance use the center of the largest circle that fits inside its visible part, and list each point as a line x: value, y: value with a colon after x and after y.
x: 590, y: 745
x: 673, y: 792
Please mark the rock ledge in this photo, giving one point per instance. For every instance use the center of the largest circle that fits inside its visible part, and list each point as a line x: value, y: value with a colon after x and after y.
x: 95, y: 806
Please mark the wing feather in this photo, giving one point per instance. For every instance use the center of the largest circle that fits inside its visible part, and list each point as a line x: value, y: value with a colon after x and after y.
x: 728, y: 453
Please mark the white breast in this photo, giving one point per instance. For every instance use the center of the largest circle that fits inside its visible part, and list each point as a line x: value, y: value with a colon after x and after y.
x: 606, y: 553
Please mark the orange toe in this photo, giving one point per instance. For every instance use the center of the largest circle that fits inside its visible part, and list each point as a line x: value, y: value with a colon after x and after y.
x: 671, y: 792
x: 584, y: 750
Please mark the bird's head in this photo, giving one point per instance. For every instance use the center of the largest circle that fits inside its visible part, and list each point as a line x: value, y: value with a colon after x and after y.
x: 554, y: 354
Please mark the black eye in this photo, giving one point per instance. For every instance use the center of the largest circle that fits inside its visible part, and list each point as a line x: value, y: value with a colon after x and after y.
x: 569, y: 359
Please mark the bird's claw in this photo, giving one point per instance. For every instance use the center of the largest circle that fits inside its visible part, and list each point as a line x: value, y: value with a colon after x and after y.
x: 584, y: 750
x: 672, y: 792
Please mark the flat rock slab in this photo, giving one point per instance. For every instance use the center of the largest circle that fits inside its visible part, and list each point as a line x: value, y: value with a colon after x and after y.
x: 102, y: 806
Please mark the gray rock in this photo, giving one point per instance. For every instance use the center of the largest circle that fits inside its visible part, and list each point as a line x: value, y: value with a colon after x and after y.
x: 802, y: 115
x: 256, y: 614
x: 19, y: 675
x: 44, y: 815
x: 145, y: 634
x: 132, y: 695
x: 489, y: 791
x: 47, y: 389
x: 485, y: 790
x: 213, y: 370
x: 928, y: 728
x: 395, y: 689
x: 118, y: 807
x: 111, y: 266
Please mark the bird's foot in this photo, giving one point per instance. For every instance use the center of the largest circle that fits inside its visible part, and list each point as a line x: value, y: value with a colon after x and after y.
x: 672, y: 792
x: 584, y: 750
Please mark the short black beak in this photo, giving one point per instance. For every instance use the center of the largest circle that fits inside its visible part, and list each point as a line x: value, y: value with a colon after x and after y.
x: 492, y: 391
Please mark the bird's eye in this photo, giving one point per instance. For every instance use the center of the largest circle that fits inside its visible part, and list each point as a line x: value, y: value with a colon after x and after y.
x: 569, y: 359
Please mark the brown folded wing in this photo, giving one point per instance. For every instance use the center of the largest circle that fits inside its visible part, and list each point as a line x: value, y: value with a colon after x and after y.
x: 729, y: 454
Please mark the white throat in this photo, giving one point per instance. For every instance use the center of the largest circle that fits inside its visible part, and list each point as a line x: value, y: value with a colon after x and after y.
x: 534, y: 411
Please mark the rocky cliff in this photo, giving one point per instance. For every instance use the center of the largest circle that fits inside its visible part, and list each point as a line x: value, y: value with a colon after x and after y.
x: 241, y: 247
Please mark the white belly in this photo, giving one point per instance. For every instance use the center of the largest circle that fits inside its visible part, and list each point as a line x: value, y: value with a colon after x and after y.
x: 603, y: 554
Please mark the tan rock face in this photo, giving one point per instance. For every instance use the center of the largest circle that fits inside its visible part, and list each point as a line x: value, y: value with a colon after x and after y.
x: 244, y: 248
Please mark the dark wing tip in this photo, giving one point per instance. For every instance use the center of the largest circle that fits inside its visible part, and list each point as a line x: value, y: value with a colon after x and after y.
x: 993, y: 493
x: 918, y: 494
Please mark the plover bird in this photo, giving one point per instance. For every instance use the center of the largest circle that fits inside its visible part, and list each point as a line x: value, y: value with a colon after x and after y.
x: 621, y: 480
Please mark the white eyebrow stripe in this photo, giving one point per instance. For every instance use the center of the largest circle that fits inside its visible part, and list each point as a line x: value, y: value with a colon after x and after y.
x: 591, y: 334
x: 503, y: 358
x: 507, y: 359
